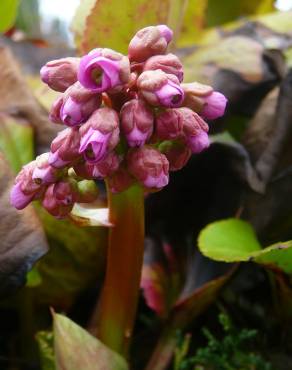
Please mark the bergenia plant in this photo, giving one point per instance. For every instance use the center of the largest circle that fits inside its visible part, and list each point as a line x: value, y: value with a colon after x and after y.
x: 130, y: 121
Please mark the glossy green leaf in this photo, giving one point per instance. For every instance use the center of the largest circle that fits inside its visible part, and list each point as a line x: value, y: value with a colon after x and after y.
x: 112, y: 24
x: 234, y: 240
x: 76, y: 349
x: 46, y: 348
x: 228, y: 240
x: 8, y: 11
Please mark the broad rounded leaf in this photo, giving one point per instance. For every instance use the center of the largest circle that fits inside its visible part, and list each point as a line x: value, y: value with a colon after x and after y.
x: 234, y: 240
x: 112, y: 24
x: 76, y: 349
x: 229, y: 240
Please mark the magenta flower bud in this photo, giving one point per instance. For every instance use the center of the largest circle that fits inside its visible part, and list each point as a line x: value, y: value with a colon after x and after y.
x: 214, y: 106
x: 198, y: 142
x: 149, y: 41
x: 60, y: 197
x: 44, y: 173
x: 18, y: 199
x: 159, y: 88
x: 195, y: 130
x: 65, y: 148
x: 136, y: 122
x: 25, y: 188
x: 177, y: 155
x: 60, y: 74
x: 99, y: 135
x: 169, y: 124
x: 203, y: 100
x: 120, y: 181
x: 149, y: 166
x: 78, y: 104
x: 100, y: 170
x: 168, y: 63
x: 104, y: 70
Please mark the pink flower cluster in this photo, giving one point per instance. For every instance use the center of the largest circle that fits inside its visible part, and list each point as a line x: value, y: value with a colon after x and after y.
x: 130, y: 119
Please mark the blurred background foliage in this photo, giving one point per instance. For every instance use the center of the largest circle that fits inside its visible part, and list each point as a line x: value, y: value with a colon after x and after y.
x: 244, y: 49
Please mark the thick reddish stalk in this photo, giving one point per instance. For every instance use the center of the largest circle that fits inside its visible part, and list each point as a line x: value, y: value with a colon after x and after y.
x: 120, y: 293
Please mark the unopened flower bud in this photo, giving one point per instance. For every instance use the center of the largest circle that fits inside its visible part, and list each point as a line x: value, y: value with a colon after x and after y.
x: 149, y: 166
x: 25, y: 188
x: 214, y: 106
x: 99, y: 135
x: 160, y: 88
x: 203, y: 100
x: 43, y: 172
x: 65, y: 148
x: 104, y: 70
x: 195, y: 130
x: 136, y: 122
x: 120, y: 181
x: 87, y: 191
x: 104, y: 168
x: 60, y: 74
x: 198, y: 142
x: 168, y: 63
x: 149, y: 41
x: 177, y: 155
x: 169, y: 124
x: 78, y: 104
x: 60, y: 197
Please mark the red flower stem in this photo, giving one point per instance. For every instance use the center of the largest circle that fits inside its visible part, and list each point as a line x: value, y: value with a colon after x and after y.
x: 119, y: 298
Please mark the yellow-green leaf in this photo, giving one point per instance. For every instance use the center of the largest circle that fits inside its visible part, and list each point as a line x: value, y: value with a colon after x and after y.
x: 76, y: 349
x: 223, y: 11
x: 234, y: 240
x: 112, y: 23
x: 8, y: 11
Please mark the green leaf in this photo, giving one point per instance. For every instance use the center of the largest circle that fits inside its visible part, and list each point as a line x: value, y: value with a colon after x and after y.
x: 16, y: 141
x: 33, y: 278
x: 239, y: 54
x: 228, y: 240
x: 76, y: 349
x: 111, y: 25
x: 193, y: 22
x: 219, y: 12
x: 75, y: 260
x: 8, y: 11
x: 234, y: 240
x: 45, y: 342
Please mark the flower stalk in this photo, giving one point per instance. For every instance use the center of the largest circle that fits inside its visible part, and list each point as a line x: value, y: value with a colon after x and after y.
x: 118, y: 304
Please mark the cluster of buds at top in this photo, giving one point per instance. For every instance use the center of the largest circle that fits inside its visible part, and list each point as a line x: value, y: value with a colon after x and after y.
x: 130, y: 119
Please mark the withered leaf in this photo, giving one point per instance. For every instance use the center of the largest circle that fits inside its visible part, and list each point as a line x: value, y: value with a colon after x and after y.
x: 22, y: 240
